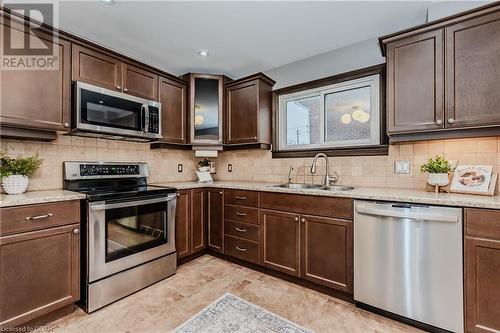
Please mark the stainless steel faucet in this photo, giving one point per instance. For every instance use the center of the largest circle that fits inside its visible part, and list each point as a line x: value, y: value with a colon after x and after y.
x: 290, y: 174
x: 328, y: 179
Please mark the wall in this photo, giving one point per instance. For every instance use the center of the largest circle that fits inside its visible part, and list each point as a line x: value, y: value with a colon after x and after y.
x: 163, y: 163
x: 375, y: 171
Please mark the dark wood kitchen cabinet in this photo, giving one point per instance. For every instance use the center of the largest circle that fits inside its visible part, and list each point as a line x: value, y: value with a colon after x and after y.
x: 443, y: 77
x: 190, y: 222
x: 215, y: 216
x: 281, y: 241
x: 482, y: 270
x: 248, y: 110
x: 40, y: 265
x: 173, y: 104
x: 327, y: 251
x: 36, y: 99
x: 107, y: 71
x: 415, y: 83
x: 96, y: 68
x: 473, y: 72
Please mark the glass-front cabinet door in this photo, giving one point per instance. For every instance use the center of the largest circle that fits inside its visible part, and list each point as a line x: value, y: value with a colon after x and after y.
x: 206, y: 96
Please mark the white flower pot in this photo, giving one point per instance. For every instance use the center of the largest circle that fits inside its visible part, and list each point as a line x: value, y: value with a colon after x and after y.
x: 439, y: 179
x: 204, y: 169
x: 15, y: 184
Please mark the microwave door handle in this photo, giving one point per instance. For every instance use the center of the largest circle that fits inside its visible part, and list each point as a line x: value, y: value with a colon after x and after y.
x: 146, y: 118
x: 142, y: 115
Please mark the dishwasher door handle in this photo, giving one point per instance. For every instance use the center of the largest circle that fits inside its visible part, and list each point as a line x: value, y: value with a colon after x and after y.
x: 408, y: 215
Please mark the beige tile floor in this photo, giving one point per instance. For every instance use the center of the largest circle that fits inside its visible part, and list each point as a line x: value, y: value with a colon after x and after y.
x: 168, y: 303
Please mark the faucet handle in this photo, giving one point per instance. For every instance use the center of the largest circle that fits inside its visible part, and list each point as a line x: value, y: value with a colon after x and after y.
x: 334, y: 178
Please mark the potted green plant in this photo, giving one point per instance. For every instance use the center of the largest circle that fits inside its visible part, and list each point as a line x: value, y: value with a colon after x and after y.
x: 15, y: 172
x: 437, y: 169
x: 204, y: 165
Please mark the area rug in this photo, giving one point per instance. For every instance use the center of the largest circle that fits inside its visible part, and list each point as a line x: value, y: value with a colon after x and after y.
x: 230, y: 314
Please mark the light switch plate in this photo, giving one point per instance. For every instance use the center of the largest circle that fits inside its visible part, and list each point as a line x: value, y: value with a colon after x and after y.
x: 402, y: 167
x: 179, y: 167
x: 229, y: 168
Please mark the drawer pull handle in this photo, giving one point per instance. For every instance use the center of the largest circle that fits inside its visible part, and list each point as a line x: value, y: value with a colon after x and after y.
x: 241, y: 198
x: 241, y: 230
x: 38, y: 217
x: 241, y: 249
x: 241, y: 214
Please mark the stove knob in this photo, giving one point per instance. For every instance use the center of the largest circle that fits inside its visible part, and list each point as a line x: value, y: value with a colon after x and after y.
x: 93, y: 171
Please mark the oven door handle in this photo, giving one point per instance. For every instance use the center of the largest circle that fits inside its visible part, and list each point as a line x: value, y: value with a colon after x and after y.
x: 132, y: 203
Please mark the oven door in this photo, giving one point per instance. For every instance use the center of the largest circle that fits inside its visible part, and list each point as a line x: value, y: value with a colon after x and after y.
x: 106, y: 111
x: 126, y: 233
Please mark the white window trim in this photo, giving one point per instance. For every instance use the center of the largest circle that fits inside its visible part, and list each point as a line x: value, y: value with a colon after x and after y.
x: 373, y: 81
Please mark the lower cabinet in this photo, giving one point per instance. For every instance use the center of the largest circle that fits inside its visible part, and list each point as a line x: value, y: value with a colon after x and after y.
x: 40, y: 268
x: 190, y: 222
x: 215, y: 215
x: 482, y: 270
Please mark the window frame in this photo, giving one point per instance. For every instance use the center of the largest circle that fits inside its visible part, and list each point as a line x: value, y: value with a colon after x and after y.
x: 321, y: 88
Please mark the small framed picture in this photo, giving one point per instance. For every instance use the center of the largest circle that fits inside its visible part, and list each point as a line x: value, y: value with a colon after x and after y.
x: 474, y: 179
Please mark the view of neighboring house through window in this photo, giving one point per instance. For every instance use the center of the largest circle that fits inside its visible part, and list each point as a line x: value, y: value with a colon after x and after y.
x: 345, y: 114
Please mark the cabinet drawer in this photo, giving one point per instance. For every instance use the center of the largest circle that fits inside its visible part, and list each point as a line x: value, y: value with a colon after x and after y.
x: 308, y: 204
x: 242, y: 249
x: 242, y: 214
x: 482, y: 223
x: 241, y: 197
x: 41, y: 216
x: 242, y: 230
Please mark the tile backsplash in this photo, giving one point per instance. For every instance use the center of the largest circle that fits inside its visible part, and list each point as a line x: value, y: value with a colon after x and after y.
x: 375, y: 171
x: 162, y: 163
x: 254, y: 165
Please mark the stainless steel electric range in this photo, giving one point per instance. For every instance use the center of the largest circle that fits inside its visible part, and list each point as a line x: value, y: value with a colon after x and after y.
x: 129, y: 238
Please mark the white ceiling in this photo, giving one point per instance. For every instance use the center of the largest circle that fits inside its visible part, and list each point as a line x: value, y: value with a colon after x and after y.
x: 242, y: 37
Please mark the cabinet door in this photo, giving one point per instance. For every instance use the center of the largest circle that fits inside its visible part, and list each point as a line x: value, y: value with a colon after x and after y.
x: 96, y: 68
x: 38, y: 99
x: 215, y: 214
x: 173, y: 105
x: 327, y: 254
x: 183, y: 223
x: 281, y: 241
x: 482, y: 291
x: 243, y: 112
x: 415, y: 83
x: 40, y: 273
x: 473, y: 72
x: 198, y: 219
x: 139, y: 82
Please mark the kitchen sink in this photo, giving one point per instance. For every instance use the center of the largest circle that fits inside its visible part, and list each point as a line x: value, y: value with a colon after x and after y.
x: 298, y: 186
x: 337, y: 188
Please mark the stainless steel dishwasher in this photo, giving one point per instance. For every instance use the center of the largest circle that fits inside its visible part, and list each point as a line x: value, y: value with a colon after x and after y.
x: 408, y: 261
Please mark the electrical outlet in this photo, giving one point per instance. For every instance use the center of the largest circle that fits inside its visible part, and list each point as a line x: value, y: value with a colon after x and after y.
x: 229, y: 168
x: 179, y: 167
x: 402, y: 167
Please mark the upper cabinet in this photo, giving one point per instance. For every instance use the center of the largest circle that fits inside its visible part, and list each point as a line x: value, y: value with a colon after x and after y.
x: 248, y: 110
x: 443, y: 77
x: 31, y: 98
x: 173, y: 103
x: 106, y: 71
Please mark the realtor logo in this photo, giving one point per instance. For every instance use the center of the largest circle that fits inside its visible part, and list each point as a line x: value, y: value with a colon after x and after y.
x: 29, y: 47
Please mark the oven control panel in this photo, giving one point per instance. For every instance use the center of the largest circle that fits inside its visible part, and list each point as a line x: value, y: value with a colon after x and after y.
x: 109, y: 170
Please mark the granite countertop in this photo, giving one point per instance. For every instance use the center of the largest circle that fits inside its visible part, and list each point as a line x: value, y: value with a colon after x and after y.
x: 37, y: 197
x: 369, y: 193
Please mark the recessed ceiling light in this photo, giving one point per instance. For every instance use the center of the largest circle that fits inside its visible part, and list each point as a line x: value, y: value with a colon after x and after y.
x: 203, y: 53
x: 108, y: 2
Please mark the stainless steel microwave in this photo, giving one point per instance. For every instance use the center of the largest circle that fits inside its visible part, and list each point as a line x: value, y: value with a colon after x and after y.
x: 109, y: 114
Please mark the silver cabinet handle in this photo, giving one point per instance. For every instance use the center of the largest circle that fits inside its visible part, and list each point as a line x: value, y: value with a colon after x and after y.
x: 296, y: 219
x: 66, y: 125
x: 240, y: 198
x: 125, y: 89
x: 439, y: 122
x: 241, y: 214
x: 39, y: 217
x: 303, y: 220
x: 76, y: 231
x: 240, y: 230
x: 118, y: 87
x: 220, y: 192
x: 241, y: 249
x: 177, y: 194
x: 451, y: 121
